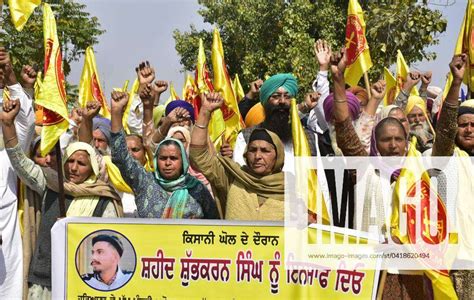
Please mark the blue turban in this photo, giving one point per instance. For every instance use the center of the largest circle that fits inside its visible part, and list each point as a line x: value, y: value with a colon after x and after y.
x: 180, y: 103
x: 103, y: 125
x: 285, y: 80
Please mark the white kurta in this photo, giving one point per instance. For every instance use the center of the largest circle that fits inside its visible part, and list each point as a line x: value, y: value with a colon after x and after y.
x: 11, y: 258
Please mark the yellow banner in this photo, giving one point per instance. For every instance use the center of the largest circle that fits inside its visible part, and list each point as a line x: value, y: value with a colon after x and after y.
x: 194, y: 260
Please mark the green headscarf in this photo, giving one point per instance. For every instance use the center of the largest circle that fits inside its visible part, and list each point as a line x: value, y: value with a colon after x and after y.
x: 285, y: 80
x: 178, y: 187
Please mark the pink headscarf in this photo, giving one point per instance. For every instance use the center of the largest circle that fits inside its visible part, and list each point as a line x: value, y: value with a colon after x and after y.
x: 352, y: 101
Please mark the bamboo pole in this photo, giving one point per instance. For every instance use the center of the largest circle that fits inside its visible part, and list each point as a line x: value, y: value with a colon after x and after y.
x: 367, y: 84
x: 61, y: 197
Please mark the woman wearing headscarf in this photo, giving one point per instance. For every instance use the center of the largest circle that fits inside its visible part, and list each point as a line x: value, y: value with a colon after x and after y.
x: 85, y: 195
x: 183, y: 135
x: 390, y: 139
x: 167, y: 192
x: 455, y: 137
x: 251, y: 192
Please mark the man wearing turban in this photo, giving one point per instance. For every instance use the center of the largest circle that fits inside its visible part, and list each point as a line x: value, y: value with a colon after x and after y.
x: 420, y: 125
x: 275, y: 97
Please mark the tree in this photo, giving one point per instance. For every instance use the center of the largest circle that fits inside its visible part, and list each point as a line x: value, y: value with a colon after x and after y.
x: 265, y: 37
x: 77, y: 30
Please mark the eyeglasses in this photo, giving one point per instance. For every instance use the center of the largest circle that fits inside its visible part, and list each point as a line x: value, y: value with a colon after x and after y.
x: 278, y: 96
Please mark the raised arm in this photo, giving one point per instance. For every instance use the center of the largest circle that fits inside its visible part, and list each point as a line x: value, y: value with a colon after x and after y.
x: 30, y: 173
x: 28, y: 79
x: 24, y: 121
x: 88, y: 114
x: 131, y: 171
x: 447, y: 123
x: 402, y: 98
x: 251, y: 98
x: 425, y: 82
x: 346, y: 135
x: 199, y: 154
x: 177, y: 115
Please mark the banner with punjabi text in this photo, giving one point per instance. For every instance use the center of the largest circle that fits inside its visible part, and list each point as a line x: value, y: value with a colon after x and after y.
x: 195, y: 259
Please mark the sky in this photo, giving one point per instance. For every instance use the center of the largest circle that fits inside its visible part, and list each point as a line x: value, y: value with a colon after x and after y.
x: 141, y: 30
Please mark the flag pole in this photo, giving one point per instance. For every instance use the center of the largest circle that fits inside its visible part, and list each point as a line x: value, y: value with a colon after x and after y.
x: 62, y: 200
x: 367, y: 84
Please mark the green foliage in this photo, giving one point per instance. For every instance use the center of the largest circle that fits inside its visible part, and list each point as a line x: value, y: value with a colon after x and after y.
x: 77, y: 30
x: 411, y: 31
x: 264, y: 37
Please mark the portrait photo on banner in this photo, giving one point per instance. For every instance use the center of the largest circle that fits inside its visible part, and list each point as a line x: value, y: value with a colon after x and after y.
x: 106, y: 260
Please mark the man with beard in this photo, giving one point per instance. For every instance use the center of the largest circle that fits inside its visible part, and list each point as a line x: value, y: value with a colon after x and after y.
x: 106, y: 253
x: 420, y: 125
x: 275, y: 96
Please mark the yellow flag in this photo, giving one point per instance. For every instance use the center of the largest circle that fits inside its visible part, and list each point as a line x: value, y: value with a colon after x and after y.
x: 189, y: 88
x: 191, y: 94
x: 131, y: 95
x: 390, y: 87
x: 52, y: 95
x: 89, y: 85
x: 115, y: 176
x: 308, y: 178
x: 21, y: 10
x: 38, y: 84
x: 464, y: 45
x: 239, y: 90
x: 402, y: 73
x: 223, y: 84
x: 357, y: 48
x: 173, y: 95
x: 417, y: 178
x: 467, y: 45
x: 202, y: 80
x: 204, y: 85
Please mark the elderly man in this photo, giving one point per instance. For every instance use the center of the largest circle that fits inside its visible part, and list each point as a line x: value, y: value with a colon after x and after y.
x: 420, y: 124
x: 106, y: 253
x: 101, y: 135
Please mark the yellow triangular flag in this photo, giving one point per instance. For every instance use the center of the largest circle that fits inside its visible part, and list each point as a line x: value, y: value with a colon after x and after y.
x: 307, y: 178
x: 402, y: 73
x: 239, y: 90
x: 357, y: 48
x: 52, y: 95
x: 222, y: 84
x: 390, y: 87
x: 416, y: 178
x: 21, y: 10
x: 89, y: 85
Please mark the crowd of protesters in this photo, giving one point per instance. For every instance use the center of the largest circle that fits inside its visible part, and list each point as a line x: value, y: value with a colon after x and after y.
x: 167, y: 166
